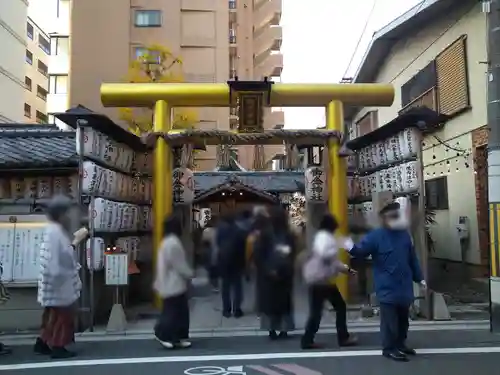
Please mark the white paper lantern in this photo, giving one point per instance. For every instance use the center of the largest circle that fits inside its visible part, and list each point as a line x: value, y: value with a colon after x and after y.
x: 183, y: 185
x: 205, y: 214
x: 91, y: 143
x: 409, y: 139
x: 382, y: 153
x: 315, y: 179
x: 405, y: 207
x: 411, y: 176
x: 362, y: 156
x: 94, y: 249
x: 395, y: 151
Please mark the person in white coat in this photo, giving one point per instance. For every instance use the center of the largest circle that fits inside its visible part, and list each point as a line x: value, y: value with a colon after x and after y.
x: 320, y: 271
x: 59, y: 283
x: 173, y: 276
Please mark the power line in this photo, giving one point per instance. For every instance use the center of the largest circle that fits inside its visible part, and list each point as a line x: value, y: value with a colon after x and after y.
x: 433, y: 42
x: 360, y: 38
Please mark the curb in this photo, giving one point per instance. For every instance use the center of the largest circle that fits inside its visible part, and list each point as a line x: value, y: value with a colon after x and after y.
x: 355, y: 327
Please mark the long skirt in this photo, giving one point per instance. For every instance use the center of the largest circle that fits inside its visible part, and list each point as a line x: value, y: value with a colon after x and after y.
x: 281, y: 323
x: 58, y: 326
x: 173, y: 323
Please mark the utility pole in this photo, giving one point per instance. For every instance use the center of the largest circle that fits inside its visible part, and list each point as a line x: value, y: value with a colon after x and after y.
x: 492, y: 8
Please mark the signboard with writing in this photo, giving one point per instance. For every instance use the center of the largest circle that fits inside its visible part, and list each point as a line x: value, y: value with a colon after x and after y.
x: 183, y: 185
x: 116, y: 269
x: 250, y: 113
x: 315, y: 178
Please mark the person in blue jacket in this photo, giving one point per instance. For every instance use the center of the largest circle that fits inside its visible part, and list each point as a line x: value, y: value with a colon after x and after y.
x: 395, y: 269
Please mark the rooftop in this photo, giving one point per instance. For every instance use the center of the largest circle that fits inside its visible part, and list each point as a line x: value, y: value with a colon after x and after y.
x: 28, y: 146
x: 402, y: 27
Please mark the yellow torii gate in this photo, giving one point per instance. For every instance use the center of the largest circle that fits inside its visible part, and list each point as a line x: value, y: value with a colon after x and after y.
x: 164, y: 96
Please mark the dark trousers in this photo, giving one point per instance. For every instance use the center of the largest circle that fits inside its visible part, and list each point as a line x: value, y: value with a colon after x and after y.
x: 232, y: 292
x: 213, y: 276
x: 394, y: 324
x: 318, y: 294
x: 173, y: 323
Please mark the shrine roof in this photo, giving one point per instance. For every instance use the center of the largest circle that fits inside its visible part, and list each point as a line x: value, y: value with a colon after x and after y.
x: 272, y: 181
x: 29, y: 146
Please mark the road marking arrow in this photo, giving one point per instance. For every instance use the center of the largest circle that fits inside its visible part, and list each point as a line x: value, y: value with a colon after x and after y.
x: 235, y: 369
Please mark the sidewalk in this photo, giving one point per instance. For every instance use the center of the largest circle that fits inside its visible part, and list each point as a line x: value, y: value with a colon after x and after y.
x: 206, y: 311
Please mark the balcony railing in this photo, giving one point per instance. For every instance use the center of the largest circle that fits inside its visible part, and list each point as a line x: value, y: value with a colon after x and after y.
x: 268, y: 13
x: 268, y: 40
x: 274, y: 118
x: 271, y: 66
x: 427, y: 99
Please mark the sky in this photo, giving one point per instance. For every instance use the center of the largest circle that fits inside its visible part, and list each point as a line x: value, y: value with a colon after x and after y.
x: 319, y: 38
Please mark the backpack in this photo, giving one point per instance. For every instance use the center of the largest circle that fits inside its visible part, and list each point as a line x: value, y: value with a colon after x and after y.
x: 281, y: 257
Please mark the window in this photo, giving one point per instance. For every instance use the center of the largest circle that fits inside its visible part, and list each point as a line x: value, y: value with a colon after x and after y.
x: 436, y: 193
x: 28, y: 83
x: 232, y: 36
x: 27, y: 110
x: 30, y: 30
x: 367, y: 123
x: 141, y: 52
x: 59, y: 45
x: 452, y: 78
x: 42, y: 68
x: 420, y: 83
x: 29, y: 57
x: 44, y: 44
x: 58, y: 84
x: 232, y: 4
x: 41, y: 118
x: 147, y: 18
x: 41, y: 92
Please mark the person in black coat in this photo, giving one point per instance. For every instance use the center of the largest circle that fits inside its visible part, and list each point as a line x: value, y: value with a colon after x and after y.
x: 230, y: 238
x: 274, y: 259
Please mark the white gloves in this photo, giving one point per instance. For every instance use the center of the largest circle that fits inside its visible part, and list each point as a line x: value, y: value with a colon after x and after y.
x: 346, y: 243
x: 80, y: 235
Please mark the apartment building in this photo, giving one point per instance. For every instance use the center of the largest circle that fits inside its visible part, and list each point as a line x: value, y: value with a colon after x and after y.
x: 54, y: 17
x: 37, y: 74
x: 433, y: 56
x: 13, y: 16
x: 217, y: 40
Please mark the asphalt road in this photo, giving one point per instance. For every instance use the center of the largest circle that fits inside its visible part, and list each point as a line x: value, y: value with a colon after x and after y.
x: 456, y: 352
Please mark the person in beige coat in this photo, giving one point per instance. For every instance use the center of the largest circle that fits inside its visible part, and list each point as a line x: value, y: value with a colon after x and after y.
x: 173, y: 276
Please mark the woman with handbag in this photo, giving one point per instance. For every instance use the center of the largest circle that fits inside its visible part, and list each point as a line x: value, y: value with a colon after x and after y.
x: 319, y: 270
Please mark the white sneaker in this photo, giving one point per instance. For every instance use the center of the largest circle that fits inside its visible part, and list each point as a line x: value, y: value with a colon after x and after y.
x: 184, y: 344
x: 165, y: 344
